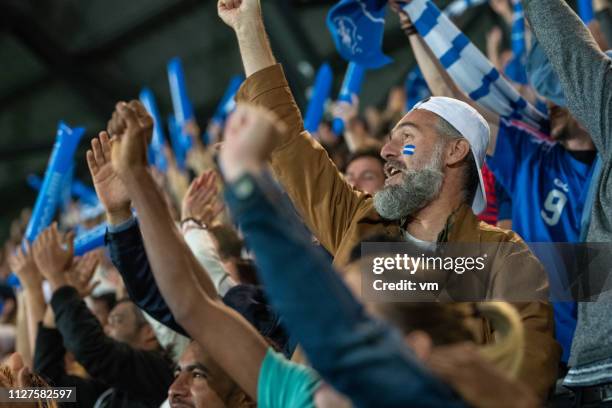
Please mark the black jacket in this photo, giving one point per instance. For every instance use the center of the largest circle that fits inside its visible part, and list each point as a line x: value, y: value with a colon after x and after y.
x: 128, y: 254
x: 138, y: 378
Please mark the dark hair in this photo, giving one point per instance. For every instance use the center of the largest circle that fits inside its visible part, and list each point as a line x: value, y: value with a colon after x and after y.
x: 109, y: 299
x: 247, y: 273
x: 230, y: 244
x: 371, y: 152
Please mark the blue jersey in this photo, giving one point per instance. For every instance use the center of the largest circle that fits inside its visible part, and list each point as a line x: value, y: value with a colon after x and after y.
x: 548, y: 187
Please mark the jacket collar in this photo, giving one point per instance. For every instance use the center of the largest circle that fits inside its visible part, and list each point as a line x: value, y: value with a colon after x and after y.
x: 461, y: 226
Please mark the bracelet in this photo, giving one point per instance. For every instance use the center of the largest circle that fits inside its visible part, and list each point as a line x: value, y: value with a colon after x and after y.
x: 198, y: 223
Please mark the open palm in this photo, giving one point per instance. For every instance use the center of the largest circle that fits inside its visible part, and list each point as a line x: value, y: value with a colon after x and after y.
x: 108, y: 185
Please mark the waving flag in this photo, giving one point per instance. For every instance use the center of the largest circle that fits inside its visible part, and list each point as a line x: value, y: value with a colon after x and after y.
x: 357, y: 27
x: 515, y: 70
x: 468, y: 67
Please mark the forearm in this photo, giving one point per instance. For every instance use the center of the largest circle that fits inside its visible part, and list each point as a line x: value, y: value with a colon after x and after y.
x: 254, y: 46
x: 130, y: 258
x: 175, y: 269
x: 161, y: 237
x: 22, y: 338
x: 35, y: 307
x: 440, y: 83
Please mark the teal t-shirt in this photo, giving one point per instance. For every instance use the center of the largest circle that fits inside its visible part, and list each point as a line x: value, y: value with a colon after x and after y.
x: 283, y: 383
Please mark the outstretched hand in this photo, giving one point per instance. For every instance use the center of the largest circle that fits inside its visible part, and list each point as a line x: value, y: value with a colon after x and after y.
x: 80, y: 273
x: 53, y: 255
x: 202, y: 201
x: 109, y: 187
x: 23, y: 265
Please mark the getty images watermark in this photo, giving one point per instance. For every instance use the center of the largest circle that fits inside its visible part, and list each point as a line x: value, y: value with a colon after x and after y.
x: 471, y: 272
x: 411, y: 264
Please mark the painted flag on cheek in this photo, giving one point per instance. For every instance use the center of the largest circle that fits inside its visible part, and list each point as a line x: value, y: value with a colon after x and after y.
x: 408, y: 150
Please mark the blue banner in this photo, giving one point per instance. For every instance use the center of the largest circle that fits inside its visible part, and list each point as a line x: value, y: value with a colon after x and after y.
x: 60, y: 162
x: 228, y: 102
x: 353, y: 78
x: 90, y: 240
x: 176, y: 136
x: 158, y: 141
x: 84, y: 193
x: 319, y: 95
x: 183, y: 110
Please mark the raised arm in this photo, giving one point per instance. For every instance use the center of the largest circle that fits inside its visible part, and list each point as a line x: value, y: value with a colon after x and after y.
x: 320, y: 194
x: 173, y: 264
x: 125, y: 241
x: 22, y: 263
x: 439, y: 81
x: 359, y: 356
x: 584, y: 71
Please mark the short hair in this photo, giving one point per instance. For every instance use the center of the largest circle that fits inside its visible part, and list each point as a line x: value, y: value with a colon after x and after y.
x: 230, y: 244
x: 369, y: 152
x: 108, y: 298
x: 470, y: 174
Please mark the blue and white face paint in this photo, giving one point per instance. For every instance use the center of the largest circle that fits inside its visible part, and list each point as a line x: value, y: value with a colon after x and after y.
x: 408, y: 150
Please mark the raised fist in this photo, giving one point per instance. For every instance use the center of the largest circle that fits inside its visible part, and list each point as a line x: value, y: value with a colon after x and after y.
x: 131, y: 128
x: 237, y: 13
x: 249, y: 136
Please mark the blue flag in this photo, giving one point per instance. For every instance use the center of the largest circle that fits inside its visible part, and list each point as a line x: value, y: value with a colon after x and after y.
x: 515, y: 70
x: 357, y: 28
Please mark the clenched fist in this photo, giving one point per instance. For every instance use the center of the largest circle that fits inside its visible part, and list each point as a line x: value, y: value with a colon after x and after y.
x: 237, y: 13
x: 249, y: 136
x: 131, y: 128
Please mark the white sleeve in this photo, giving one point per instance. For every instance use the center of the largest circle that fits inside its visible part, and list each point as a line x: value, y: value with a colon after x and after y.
x: 201, y: 244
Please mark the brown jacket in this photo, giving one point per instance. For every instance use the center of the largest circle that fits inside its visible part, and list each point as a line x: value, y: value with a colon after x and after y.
x: 341, y: 217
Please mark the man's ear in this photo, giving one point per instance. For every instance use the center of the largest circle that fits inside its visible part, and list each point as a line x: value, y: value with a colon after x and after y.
x: 457, y: 150
x: 420, y: 342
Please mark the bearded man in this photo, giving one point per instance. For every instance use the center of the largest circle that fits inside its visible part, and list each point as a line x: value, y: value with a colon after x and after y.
x: 433, y: 189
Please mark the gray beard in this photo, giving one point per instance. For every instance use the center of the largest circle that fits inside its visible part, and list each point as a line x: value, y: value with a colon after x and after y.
x: 417, y: 189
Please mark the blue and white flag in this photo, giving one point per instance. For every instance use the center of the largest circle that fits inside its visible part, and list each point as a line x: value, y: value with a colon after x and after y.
x: 468, y: 67
x: 458, y: 7
x: 515, y: 70
x: 408, y: 150
x: 357, y: 28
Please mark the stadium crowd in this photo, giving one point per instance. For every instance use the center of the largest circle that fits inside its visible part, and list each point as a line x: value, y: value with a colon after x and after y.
x: 236, y: 281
